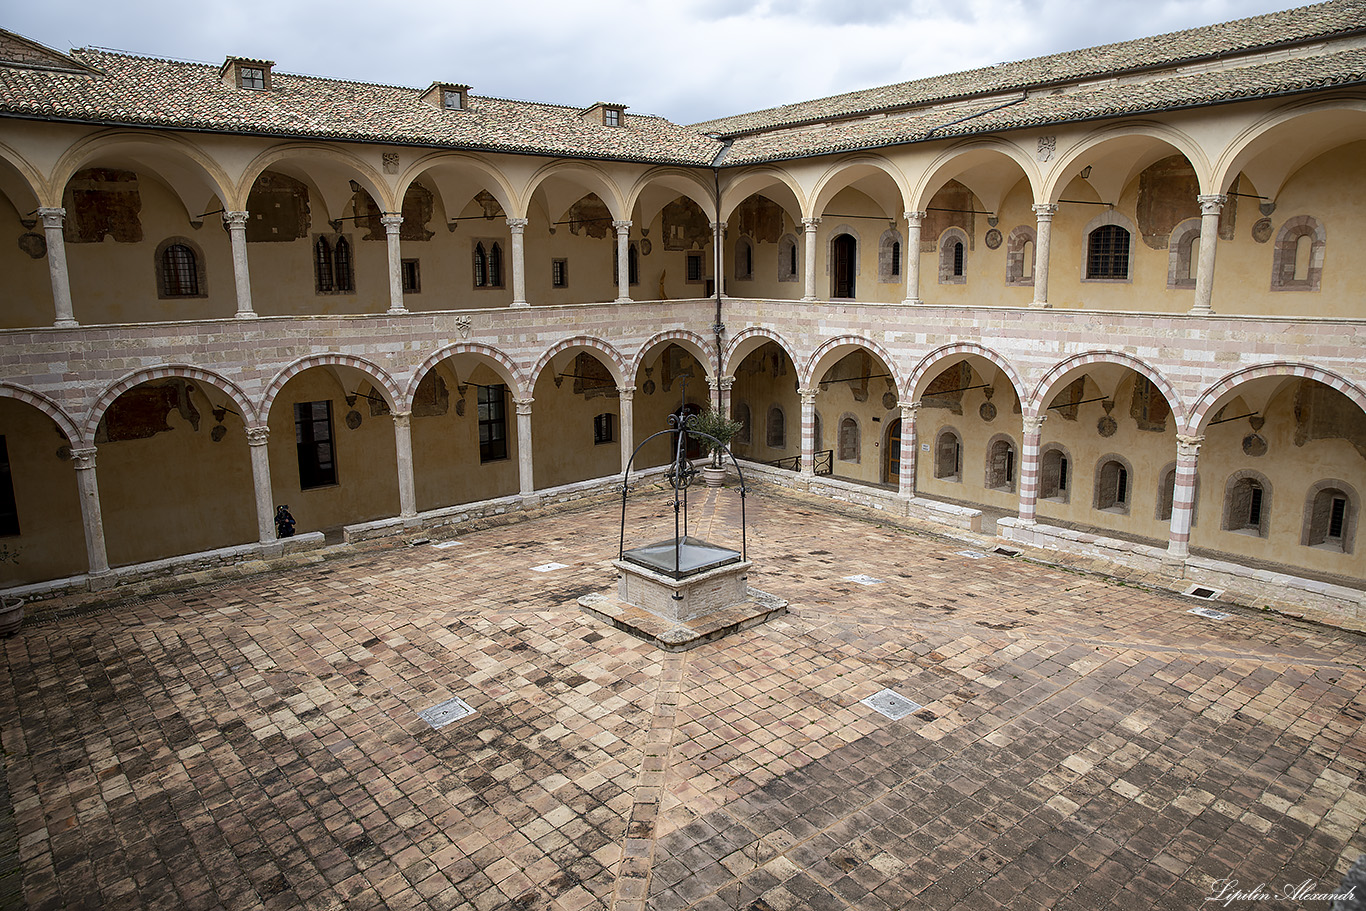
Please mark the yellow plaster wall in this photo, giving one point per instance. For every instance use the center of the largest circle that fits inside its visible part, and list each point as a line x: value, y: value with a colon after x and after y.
x: 562, y: 445
x: 51, y: 539
x: 446, y: 466
x: 26, y: 293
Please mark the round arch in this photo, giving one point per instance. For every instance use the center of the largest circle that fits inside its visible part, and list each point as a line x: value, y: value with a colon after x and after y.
x: 864, y: 168
x: 1205, y: 404
x: 978, y: 165
x: 22, y: 183
x: 611, y: 358
x: 1132, y: 146
x: 829, y: 353
x: 47, y: 406
x: 928, y: 368
x: 761, y: 181
x: 165, y: 371
x: 749, y: 340
x: 438, y: 163
x: 338, y: 162
x: 586, y: 178
x: 659, y: 186
x: 696, y: 345
x: 1312, y: 128
x: 1062, y: 372
x: 385, y: 383
x: 501, y: 364
x: 183, y: 166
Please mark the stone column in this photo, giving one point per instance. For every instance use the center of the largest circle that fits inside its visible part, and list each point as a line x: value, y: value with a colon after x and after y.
x: 257, y: 438
x: 1183, y: 493
x: 718, y: 254
x: 720, y: 393
x: 527, y: 485
x: 626, y: 398
x: 91, y: 520
x: 623, y: 260
x: 56, y: 265
x: 403, y: 448
x: 518, y: 228
x: 1029, y: 467
x: 911, y: 258
x: 1045, y: 213
x: 809, y: 430
x: 809, y: 225
x: 909, y: 450
x: 1210, y: 207
x: 237, y: 231
x: 391, y: 225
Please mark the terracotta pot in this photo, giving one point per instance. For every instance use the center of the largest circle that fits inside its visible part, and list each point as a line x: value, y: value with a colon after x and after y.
x: 11, y: 615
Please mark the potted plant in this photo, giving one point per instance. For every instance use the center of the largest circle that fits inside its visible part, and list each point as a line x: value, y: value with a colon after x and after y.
x: 716, y: 425
x: 11, y: 615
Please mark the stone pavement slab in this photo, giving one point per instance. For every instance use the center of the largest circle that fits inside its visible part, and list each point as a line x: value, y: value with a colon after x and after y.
x: 257, y: 743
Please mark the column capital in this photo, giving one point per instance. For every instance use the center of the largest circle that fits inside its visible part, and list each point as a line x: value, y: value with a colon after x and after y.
x: 809, y: 394
x: 1188, y: 444
x: 391, y: 222
x: 724, y: 383
x: 1211, y: 203
x: 623, y: 226
x: 915, y: 217
x: 236, y: 221
x: 718, y: 227
x: 52, y: 216
x: 1045, y: 210
x: 518, y: 225
x: 1034, y: 423
x: 258, y: 436
x: 626, y: 392
x: 810, y: 224
x: 523, y: 405
x: 83, y: 457
x: 402, y: 418
x: 908, y: 410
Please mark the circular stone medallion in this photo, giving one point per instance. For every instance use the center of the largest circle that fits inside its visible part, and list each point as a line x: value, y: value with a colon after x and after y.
x: 353, y: 419
x: 1254, y: 444
x: 888, y: 401
x: 993, y: 239
x: 987, y: 411
x: 1106, y: 426
x: 1261, y: 230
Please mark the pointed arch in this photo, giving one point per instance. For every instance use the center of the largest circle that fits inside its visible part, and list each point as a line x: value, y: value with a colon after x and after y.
x: 1194, y: 424
x: 747, y: 340
x: 920, y: 374
x: 379, y: 376
x: 829, y: 353
x: 509, y: 371
x: 701, y: 349
x: 1035, y: 404
x: 611, y: 358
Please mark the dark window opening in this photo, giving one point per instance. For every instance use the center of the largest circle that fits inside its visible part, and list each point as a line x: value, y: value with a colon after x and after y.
x: 313, y: 437
x: 1254, y: 504
x: 694, y: 267
x: 1108, y: 253
x: 345, y: 277
x: 958, y: 258
x: 896, y: 257
x: 632, y: 265
x: 412, y: 279
x: 179, y: 274
x: 9, y: 511
x: 322, y: 266
x: 559, y: 273
x: 253, y: 77
x: 481, y: 268
x: 496, y: 266
x: 1337, y: 517
x: 792, y: 254
x: 602, y: 428
x: 493, y: 444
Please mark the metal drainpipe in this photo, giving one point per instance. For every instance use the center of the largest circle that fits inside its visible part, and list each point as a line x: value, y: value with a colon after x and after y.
x: 719, y: 327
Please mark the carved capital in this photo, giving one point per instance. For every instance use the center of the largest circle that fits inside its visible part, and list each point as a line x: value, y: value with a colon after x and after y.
x: 52, y: 217
x: 723, y: 383
x: 1045, y: 211
x: 909, y: 410
x: 626, y: 393
x: 403, y: 418
x: 518, y: 225
x: 258, y: 436
x: 83, y: 458
x: 623, y: 227
x: 810, y: 224
x: 914, y: 218
x: 391, y: 222
x: 523, y: 406
x: 1212, y: 203
x: 1188, y: 445
x: 1034, y: 423
x: 809, y: 395
x: 236, y: 221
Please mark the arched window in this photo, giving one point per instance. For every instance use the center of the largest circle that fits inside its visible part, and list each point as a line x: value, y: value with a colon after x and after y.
x: 180, y: 269
x: 1113, y: 487
x: 1297, y: 262
x: 1330, y: 517
x: 1166, y: 495
x: 787, y: 258
x: 816, y: 435
x: 744, y: 260
x: 1020, y: 256
x: 1054, y: 474
x: 889, y: 257
x: 777, y: 429
x: 948, y: 456
x: 740, y: 412
x: 323, y: 277
x: 953, y: 245
x: 849, y: 448
x: 341, y: 258
x: 1107, y: 253
x: 632, y: 265
x: 1000, y: 464
x: 1247, y: 503
x: 481, y: 266
x: 1183, y: 254
x: 496, y: 266
x: 896, y: 259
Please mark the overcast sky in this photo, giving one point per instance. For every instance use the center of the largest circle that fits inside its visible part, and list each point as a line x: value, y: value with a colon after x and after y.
x: 688, y: 60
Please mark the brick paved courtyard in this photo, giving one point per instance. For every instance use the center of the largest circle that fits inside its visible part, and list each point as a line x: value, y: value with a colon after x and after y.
x: 1083, y: 744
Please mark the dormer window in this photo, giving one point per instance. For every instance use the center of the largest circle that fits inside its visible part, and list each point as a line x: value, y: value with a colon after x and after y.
x: 244, y: 73
x: 611, y: 117
x: 448, y: 96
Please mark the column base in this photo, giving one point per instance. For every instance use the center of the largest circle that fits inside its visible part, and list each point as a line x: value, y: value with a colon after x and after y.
x: 66, y: 324
x: 392, y: 311
x: 623, y: 300
x: 912, y: 301
x: 1020, y: 520
x: 518, y: 305
x: 100, y: 581
x: 1040, y: 305
x: 810, y: 300
x: 245, y: 314
x: 1201, y: 311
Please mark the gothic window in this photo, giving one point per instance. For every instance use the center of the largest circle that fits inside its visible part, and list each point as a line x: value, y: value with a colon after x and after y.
x: 1113, y: 485
x: 313, y: 439
x: 481, y: 266
x: 1054, y: 482
x: 1330, y: 513
x: 493, y: 423
x: 777, y: 429
x: 345, y: 275
x: 1247, y: 504
x: 849, y: 440
x: 632, y: 265
x: 496, y: 266
x: 323, y: 278
x: 180, y: 269
x: 1001, y: 465
x: 488, y: 264
x: 948, y: 456
x: 953, y: 245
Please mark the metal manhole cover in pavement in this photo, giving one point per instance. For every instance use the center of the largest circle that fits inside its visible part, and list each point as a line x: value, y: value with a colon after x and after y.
x: 1203, y: 592
x: 892, y: 704
x: 438, y: 716
x: 547, y: 567
x: 864, y: 580
x: 1209, y: 614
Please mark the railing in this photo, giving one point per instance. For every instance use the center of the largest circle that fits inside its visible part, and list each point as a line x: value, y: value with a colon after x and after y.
x: 824, y: 461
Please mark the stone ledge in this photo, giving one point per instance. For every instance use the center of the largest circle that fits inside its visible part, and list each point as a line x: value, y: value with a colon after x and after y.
x: 679, y: 637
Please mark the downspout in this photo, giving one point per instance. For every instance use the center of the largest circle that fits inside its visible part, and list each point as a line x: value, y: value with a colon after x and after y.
x: 719, y: 327
x: 1000, y: 107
